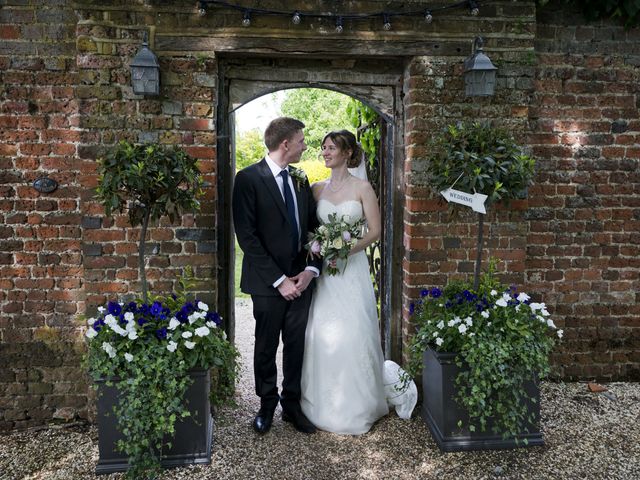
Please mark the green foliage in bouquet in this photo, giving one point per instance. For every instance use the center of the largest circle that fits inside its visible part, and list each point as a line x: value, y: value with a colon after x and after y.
x: 502, y: 339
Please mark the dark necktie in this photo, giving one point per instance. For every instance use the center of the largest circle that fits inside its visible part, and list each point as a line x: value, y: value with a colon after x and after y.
x: 291, y: 209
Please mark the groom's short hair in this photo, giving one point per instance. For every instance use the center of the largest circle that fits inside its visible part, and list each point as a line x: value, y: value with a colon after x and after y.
x: 279, y: 130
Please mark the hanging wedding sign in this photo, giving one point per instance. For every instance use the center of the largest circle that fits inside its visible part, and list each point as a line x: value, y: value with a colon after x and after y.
x: 473, y: 200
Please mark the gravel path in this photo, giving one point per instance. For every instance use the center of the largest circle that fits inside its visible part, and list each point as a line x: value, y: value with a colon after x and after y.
x: 588, y: 436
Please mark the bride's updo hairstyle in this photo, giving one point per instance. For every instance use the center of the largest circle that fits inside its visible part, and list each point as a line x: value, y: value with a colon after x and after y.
x: 345, y: 140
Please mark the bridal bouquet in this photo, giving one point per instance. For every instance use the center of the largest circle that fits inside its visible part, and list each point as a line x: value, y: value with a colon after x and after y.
x: 334, y: 240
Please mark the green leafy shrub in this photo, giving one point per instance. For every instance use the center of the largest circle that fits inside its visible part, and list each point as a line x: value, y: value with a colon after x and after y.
x: 146, y: 348
x: 149, y: 181
x: 502, y: 339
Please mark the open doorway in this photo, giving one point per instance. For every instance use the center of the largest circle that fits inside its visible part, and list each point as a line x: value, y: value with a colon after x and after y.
x: 244, y: 80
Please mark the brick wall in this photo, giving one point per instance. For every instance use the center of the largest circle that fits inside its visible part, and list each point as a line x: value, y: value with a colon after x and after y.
x: 437, y: 247
x: 65, y: 99
x: 40, y: 261
x: 583, y: 244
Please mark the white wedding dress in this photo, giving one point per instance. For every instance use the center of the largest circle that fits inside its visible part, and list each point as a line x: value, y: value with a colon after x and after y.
x: 342, y: 384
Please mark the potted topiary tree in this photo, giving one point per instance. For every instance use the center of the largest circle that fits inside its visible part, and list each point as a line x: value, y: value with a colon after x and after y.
x: 482, y: 347
x: 150, y: 357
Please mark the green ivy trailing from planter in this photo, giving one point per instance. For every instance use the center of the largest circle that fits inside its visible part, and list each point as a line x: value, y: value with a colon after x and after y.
x: 146, y: 348
x: 628, y: 11
x: 502, y: 340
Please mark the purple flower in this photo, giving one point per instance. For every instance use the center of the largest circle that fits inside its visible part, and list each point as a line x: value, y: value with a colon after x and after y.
x: 161, y: 333
x: 315, y: 247
x: 346, y: 236
x: 436, y: 292
x: 114, y: 308
x: 156, y: 309
x: 424, y: 293
x: 213, y: 317
x: 412, y: 308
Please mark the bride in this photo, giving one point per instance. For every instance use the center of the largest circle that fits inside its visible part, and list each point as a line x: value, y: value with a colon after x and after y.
x: 342, y: 384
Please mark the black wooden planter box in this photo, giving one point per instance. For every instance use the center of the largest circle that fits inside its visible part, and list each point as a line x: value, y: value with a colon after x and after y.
x: 441, y: 412
x: 193, y: 435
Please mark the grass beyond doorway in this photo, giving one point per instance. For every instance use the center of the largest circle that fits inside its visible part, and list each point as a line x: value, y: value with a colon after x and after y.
x: 238, y: 272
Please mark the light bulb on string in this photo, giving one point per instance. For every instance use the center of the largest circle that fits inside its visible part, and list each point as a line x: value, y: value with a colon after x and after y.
x: 246, y: 18
x: 339, y: 27
x: 296, y: 18
x: 202, y: 9
x: 475, y: 11
x: 428, y: 17
x: 386, y: 23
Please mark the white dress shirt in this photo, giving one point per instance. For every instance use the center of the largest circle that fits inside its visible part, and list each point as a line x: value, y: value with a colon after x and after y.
x: 275, y: 170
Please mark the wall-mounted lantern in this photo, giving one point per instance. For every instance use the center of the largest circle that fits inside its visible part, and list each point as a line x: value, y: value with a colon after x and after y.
x: 479, y: 72
x: 145, y: 71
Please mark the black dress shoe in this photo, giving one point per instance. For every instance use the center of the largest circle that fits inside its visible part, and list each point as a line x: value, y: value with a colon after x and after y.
x: 262, y: 422
x: 299, y: 421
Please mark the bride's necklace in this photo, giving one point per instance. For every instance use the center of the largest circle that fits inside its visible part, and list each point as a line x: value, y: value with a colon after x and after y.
x: 340, y: 184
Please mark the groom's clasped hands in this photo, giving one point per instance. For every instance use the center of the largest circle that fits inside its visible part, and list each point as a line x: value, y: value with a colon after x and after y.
x: 292, y: 287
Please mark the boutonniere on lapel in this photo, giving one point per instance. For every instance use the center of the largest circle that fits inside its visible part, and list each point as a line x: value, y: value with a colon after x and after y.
x: 298, y: 176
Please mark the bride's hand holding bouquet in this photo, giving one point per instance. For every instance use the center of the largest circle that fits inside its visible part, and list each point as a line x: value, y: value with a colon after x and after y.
x: 334, y: 241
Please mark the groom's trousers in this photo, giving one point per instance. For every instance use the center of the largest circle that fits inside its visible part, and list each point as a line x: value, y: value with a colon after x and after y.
x: 273, y: 316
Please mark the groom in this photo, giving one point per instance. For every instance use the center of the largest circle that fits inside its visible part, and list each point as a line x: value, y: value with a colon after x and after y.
x: 272, y: 213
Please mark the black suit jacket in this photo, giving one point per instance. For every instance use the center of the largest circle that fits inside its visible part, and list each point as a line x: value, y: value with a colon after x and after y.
x: 262, y: 227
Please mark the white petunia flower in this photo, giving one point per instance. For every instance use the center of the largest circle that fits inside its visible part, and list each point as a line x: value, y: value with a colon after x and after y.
x: 101, y: 309
x: 132, y: 335
x: 485, y: 314
x: 202, y: 331
x: 129, y: 317
x: 537, y: 306
x: 518, y: 307
x: 203, y: 306
x: 462, y: 328
x: 451, y: 323
x: 435, y: 334
x: 468, y: 321
x: 128, y: 357
x: 211, y: 324
x: 192, y: 318
x: 493, y: 293
x: 107, y: 347
x: 541, y: 318
x: 91, y: 321
x: 187, y: 334
x: 457, y: 320
x: 551, y: 324
x: 544, y: 312
x: 523, y: 297
x: 174, y: 323
x: 439, y: 341
x: 224, y: 335
x: 440, y: 325
x: 91, y: 333
x: 110, y: 320
x: 189, y: 344
x: 560, y: 333
x: 506, y: 297
x: 172, y: 346
x: 501, y: 302
x: 119, y: 330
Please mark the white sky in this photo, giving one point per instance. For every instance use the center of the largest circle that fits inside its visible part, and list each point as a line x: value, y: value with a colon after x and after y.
x: 259, y: 112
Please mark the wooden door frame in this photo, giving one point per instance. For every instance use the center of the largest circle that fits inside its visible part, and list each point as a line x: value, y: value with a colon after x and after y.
x: 379, y: 87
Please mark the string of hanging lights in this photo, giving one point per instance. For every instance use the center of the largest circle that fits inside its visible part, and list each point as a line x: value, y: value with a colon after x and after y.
x: 297, y: 16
